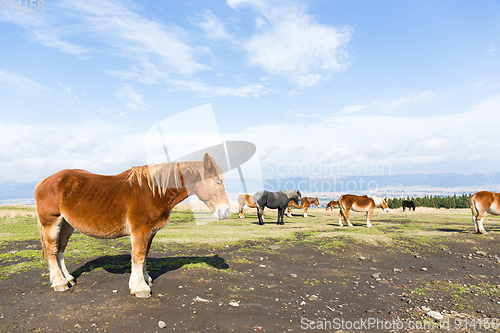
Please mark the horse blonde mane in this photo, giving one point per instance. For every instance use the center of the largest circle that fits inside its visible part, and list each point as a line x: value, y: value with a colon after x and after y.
x: 163, y: 176
x: 378, y: 200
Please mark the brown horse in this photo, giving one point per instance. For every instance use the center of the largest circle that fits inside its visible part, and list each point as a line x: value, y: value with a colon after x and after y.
x: 245, y: 199
x: 306, y: 202
x: 366, y: 203
x: 480, y: 203
x: 136, y: 203
x: 332, y: 204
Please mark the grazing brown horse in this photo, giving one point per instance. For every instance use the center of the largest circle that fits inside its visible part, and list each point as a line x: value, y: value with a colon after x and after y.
x: 480, y: 203
x: 366, y: 203
x: 136, y: 203
x: 306, y: 202
x: 332, y: 204
x: 245, y: 199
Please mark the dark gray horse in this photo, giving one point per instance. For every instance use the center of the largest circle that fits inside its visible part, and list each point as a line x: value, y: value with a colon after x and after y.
x: 275, y: 200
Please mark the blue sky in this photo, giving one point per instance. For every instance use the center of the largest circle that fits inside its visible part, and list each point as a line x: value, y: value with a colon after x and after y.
x: 410, y: 85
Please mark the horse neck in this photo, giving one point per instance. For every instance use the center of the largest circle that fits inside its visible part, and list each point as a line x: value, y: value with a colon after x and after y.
x: 188, y: 177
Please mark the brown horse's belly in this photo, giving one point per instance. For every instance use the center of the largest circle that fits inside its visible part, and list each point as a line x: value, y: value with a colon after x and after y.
x: 494, y: 209
x: 99, y: 226
x: 359, y: 209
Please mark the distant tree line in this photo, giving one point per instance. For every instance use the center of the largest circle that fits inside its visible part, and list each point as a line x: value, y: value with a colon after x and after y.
x: 436, y: 201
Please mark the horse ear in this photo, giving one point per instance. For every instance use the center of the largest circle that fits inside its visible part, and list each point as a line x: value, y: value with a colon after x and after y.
x: 207, y: 161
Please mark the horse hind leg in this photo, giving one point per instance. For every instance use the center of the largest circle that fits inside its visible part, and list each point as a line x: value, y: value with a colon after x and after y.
x: 240, y: 211
x: 478, y: 223
x: 50, y: 230
x: 64, y: 235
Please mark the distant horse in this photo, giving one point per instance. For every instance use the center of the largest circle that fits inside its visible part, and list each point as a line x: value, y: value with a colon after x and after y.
x: 245, y: 199
x: 332, y: 204
x: 275, y: 200
x: 306, y: 202
x: 136, y: 203
x: 480, y: 203
x: 409, y: 205
x: 366, y: 203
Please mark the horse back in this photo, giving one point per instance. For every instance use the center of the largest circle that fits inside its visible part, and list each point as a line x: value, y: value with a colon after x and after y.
x: 486, y: 199
x: 99, y: 206
x: 357, y: 202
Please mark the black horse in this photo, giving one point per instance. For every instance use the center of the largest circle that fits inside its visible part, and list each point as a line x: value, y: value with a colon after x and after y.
x: 409, y: 205
x: 275, y: 200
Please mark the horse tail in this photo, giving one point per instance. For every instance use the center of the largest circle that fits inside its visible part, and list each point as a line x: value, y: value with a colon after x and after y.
x: 473, y: 207
x: 342, y: 209
x: 42, y: 237
x: 39, y: 224
x: 258, y: 207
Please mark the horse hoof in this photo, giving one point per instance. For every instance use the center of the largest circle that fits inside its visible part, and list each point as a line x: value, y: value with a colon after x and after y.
x: 143, y: 294
x: 61, y: 288
x: 72, y: 282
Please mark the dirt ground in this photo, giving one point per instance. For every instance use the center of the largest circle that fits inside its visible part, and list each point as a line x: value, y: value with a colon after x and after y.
x: 258, y: 287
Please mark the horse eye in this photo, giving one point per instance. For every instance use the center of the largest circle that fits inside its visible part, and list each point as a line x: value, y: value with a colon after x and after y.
x: 217, y: 182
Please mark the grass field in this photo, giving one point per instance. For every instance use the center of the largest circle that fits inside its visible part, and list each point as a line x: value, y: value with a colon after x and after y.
x: 396, y: 231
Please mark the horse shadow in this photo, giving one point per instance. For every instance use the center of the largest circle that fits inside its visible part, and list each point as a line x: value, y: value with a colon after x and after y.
x: 302, y: 215
x: 121, y: 264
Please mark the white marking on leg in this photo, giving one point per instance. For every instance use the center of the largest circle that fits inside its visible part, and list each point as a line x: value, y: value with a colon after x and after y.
x: 305, y: 214
x: 62, y: 265
x: 368, y: 224
x: 136, y: 282
x: 480, y: 226
x: 57, y: 279
x: 289, y: 214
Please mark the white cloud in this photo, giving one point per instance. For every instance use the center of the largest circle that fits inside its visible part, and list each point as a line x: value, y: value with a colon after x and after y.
x: 295, y: 45
x: 213, y: 27
x: 352, y: 109
x: 297, y: 114
x: 135, y: 36
x: 135, y: 100
x: 459, y: 141
x: 389, y: 105
x: 19, y: 80
x: 205, y: 90
x: 97, y: 147
x: 397, y: 103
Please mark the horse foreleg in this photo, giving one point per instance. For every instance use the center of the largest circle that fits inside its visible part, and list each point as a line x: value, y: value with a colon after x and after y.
x: 305, y: 211
x: 289, y: 208
x: 137, y: 283
x: 148, y: 278
x: 64, y: 235
x: 281, y: 214
x: 368, y: 217
x: 240, y: 211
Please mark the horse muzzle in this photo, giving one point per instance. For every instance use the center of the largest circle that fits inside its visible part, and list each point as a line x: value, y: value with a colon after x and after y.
x: 222, y: 212
x: 386, y: 210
